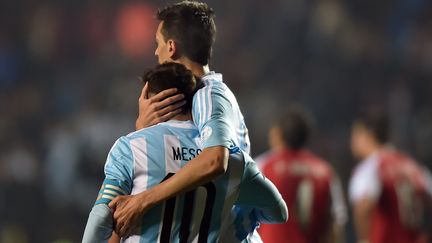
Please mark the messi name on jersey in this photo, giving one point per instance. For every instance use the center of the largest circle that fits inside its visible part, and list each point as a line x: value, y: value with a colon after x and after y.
x: 185, y: 153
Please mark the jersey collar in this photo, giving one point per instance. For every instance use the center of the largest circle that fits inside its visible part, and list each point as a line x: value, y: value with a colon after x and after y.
x: 211, y: 77
x: 181, y: 124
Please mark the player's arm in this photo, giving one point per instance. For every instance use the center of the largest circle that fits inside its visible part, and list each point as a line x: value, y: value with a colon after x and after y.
x: 362, y: 217
x: 260, y: 194
x: 428, y: 183
x: 338, y: 217
x: 365, y: 189
x: 99, y: 224
x: 118, y: 181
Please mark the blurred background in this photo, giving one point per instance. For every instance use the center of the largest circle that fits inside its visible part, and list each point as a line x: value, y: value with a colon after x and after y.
x: 69, y: 88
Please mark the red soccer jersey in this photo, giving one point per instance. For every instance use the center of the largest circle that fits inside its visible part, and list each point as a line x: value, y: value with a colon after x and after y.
x: 400, y: 196
x: 304, y: 181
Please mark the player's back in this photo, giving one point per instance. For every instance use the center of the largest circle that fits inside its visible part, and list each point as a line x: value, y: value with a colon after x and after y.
x: 159, y: 152
x: 398, y: 216
x: 304, y: 182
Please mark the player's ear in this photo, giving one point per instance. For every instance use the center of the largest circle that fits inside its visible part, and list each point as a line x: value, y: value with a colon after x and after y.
x: 172, y: 49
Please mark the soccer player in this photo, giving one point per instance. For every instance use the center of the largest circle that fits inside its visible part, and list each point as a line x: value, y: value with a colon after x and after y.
x: 186, y: 34
x: 147, y: 157
x: 388, y: 189
x: 307, y: 183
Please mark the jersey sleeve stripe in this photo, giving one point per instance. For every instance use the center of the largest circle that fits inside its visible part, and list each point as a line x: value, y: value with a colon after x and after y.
x: 203, y: 108
x: 108, y: 197
x: 121, y: 191
x: 111, y: 192
x: 110, y: 189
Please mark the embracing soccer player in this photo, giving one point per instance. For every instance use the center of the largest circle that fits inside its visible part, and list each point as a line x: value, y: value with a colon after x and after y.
x: 143, y: 159
x: 185, y: 35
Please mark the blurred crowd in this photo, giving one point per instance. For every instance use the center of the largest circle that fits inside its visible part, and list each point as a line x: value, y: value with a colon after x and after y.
x: 69, y: 88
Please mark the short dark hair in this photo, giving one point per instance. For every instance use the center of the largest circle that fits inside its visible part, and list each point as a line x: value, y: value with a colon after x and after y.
x: 377, y: 123
x: 296, y: 126
x: 191, y: 24
x: 172, y: 75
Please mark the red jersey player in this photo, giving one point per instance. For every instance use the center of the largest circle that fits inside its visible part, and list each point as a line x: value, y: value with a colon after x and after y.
x: 388, y: 189
x: 307, y: 183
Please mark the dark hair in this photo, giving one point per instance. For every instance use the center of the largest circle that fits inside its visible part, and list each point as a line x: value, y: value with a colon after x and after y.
x: 295, y: 125
x: 191, y: 25
x: 377, y: 123
x: 172, y: 75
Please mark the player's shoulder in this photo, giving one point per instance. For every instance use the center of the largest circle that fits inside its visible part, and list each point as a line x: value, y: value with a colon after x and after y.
x: 318, y: 166
x: 121, y: 147
x: 144, y: 132
x: 313, y: 158
x: 165, y: 128
x: 392, y: 154
x: 210, y: 89
x: 367, y: 167
x: 212, y: 82
x: 392, y: 160
x: 212, y: 78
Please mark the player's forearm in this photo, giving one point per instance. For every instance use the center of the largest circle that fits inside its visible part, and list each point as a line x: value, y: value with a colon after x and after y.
x: 362, y: 219
x: 99, y: 224
x: 211, y: 163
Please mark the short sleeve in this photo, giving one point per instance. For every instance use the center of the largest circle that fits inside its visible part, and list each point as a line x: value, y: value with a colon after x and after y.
x: 118, y: 172
x: 365, y: 182
x: 212, y: 113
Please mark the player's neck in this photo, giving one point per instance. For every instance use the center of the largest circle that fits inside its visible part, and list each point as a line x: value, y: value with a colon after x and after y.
x: 374, y: 149
x: 288, y: 149
x: 197, y: 69
x: 279, y: 147
x: 183, y: 117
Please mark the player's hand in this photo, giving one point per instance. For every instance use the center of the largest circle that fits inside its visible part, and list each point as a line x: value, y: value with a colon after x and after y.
x: 128, y: 211
x: 159, y: 108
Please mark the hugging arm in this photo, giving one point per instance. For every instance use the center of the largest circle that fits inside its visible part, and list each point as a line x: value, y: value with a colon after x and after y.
x: 118, y: 182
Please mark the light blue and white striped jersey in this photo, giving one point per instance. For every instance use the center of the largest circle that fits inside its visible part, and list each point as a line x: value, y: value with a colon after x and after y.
x: 145, y: 158
x: 217, y: 115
